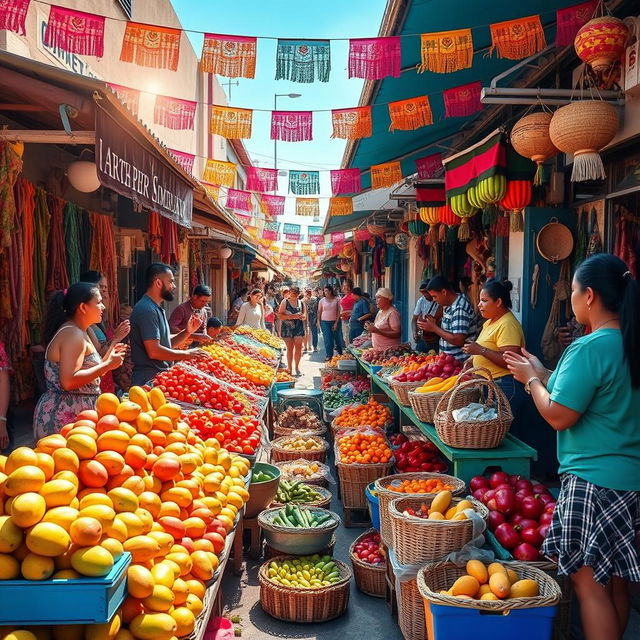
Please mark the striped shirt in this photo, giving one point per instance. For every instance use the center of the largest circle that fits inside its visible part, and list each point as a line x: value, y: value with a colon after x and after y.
x: 460, y: 317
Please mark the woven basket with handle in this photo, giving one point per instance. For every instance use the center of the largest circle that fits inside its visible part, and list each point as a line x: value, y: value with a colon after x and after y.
x: 473, y: 434
x: 402, y: 389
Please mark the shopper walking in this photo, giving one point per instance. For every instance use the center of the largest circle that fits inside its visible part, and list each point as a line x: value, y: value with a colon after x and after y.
x: 592, y: 400
x: 425, y: 307
x: 329, y: 323
x: 72, y: 366
x: 360, y: 313
x: 386, y: 329
x: 347, y: 302
x: 252, y: 312
x: 292, y: 317
x: 311, y: 307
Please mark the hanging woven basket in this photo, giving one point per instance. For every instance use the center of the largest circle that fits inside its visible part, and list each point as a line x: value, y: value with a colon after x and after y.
x: 582, y: 128
x: 601, y: 41
x: 530, y: 138
x: 375, y: 229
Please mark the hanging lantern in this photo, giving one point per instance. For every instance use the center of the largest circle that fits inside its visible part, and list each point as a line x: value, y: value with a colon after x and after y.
x: 517, y: 196
x: 430, y: 215
x: 417, y: 228
x: 461, y: 206
x: 530, y: 138
x: 582, y: 128
x: 601, y: 42
x: 448, y: 217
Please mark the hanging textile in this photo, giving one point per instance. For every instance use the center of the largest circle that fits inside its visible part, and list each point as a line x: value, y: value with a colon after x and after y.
x: 86, y: 240
x: 230, y: 122
x: 374, y: 58
x: 155, y: 232
x: 430, y: 195
x: 291, y: 126
x: 352, y: 124
x: 345, y: 181
x: 56, y: 250
x: 340, y: 206
x: 304, y: 183
x: 516, y: 39
x: 337, y: 236
x: 10, y: 168
x: 71, y: 222
x: 253, y: 232
x: 446, y: 51
x: 184, y: 159
x: 303, y: 60
x: 271, y: 231
x: 229, y: 56
x: 129, y: 97
x: 571, y: 19
x: 219, y: 172
x: 75, y: 32
x: 385, y: 175
x: 462, y: 101
x: 238, y: 199
x: 314, y: 234
x: 213, y: 191
x: 27, y: 204
x: 104, y: 258
x: 308, y: 207
x: 260, y: 179
x: 37, y: 306
x: 429, y: 166
x: 410, y: 114
x: 291, y: 231
x: 174, y: 113
x: 272, y: 205
x: 13, y: 14
x: 361, y: 234
x: 151, y: 46
x: 288, y: 247
x: 169, y: 250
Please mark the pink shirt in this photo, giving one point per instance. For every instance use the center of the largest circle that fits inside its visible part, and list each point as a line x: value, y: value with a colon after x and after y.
x: 328, y: 309
x: 388, y: 320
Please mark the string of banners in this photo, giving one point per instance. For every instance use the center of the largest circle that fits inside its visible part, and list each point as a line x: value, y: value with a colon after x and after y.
x: 297, y: 60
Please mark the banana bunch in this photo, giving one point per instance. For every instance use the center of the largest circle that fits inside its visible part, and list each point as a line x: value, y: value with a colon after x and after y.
x: 461, y: 206
x: 491, y: 190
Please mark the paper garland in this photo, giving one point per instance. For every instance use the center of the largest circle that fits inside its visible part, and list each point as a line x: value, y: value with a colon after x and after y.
x: 517, y: 39
x: 462, y: 101
x: 446, y: 51
x: 291, y: 231
x: 385, y: 175
x: 261, y: 179
x: 345, y: 181
x: 13, y: 14
x: 184, y: 159
x: 75, y: 32
x: 410, y: 114
x: 303, y: 61
x: 352, y: 124
x: 304, y: 183
x: 174, y: 113
x: 429, y: 166
x: 239, y: 199
x: 231, y: 122
x: 291, y: 126
x: 340, y: 206
x: 229, y: 56
x: 374, y: 58
x: 151, y: 46
x: 308, y: 207
x: 129, y: 97
x: 212, y: 190
x: 220, y: 172
x: 272, y: 205
x: 571, y: 20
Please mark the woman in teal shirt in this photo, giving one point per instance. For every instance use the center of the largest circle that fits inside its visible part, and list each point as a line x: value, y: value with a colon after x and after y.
x: 592, y: 400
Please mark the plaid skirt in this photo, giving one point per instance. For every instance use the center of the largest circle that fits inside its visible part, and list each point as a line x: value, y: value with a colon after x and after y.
x: 595, y: 527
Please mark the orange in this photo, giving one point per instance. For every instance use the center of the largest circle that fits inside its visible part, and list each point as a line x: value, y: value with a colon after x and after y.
x: 107, y: 423
x: 127, y: 411
x: 140, y: 581
x: 37, y: 567
x: 20, y: 457
x: 48, y: 539
x: 9, y: 567
x: 65, y: 460
x: 161, y: 599
x: 58, y: 492
x: 135, y: 456
x: 123, y: 499
x: 185, y: 619
x: 24, y: 479
x: 62, y: 516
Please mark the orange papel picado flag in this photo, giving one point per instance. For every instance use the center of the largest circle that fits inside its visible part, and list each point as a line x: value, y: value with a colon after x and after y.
x: 230, y: 122
x: 151, y: 46
x: 516, y: 39
x: 410, y: 114
x: 446, y: 51
x: 340, y: 206
x: 352, y: 124
x: 219, y: 172
x: 385, y: 175
x: 229, y: 56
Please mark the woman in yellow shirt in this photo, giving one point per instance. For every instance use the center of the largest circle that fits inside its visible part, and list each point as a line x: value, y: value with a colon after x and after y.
x: 501, y: 332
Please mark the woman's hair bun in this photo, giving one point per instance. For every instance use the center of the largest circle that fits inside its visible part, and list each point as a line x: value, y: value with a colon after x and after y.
x: 507, y: 284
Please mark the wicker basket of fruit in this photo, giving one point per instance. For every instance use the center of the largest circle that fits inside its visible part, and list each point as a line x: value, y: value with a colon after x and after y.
x: 279, y: 431
x: 511, y: 585
x: 426, y: 529
x: 323, y: 597
x: 418, y: 485
x: 307, y: 471
x: 401, y: 389
x: 301, y: 493
x: 297, y: 446
x: 369, y: 566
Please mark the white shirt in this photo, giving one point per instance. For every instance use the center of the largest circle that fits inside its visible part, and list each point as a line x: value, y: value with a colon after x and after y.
x: 425, y: 307
x: 251, y: 316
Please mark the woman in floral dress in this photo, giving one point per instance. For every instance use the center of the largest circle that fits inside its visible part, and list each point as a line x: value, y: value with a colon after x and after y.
x: 72, y: 366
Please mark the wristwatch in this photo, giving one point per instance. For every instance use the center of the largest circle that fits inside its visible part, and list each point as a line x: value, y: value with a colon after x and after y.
x: 527, y: 386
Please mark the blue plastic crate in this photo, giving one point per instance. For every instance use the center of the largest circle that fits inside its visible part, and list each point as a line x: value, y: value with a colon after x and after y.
x: 448, y: 623
x: 79, y: 601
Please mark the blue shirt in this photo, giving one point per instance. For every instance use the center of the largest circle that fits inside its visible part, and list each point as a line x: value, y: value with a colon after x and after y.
x: 360, y: 308
x: 148, y: 322
x: 593, y: 379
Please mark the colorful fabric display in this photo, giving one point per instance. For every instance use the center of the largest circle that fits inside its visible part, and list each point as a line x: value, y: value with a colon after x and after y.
x: 185, y: 160
x: 304, y: 183
x: 292, y: 126
x: 340, y: 206
x: 429, y: 166
x: 261, y: 179
x: 374, y: 58
x: 345, y: 181
x: 303, y: 60
x: 308, y: 207
x: 239, y: 199
x: 361, y: 234
x: 13, y: 14
x: 174, y: 113
x: 272, y: 205
x: 571, y: 19
x: 230, y: 122
x: 430, y: 195
x: 462, y: 101
x: 219, y: 172
x: 352, y: 124
x: 75, y: 32
x: 385, y: 175
x: 410, y: 114
x: 446, y: 51
x: 517, y: 39
x: 229, y: 56
x: 128, y: 96
x: 151, y: 46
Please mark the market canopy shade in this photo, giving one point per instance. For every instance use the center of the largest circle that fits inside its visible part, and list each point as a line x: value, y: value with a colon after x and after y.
x: 428, y: 16
x: 346, y: 223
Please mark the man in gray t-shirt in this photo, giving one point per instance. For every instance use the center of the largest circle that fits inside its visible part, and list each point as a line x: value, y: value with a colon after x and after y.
x: 153, y: 348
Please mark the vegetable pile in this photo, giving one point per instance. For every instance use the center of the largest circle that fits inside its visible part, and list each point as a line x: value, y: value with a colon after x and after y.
x: 372, y: 414
x: 334, y: 397
x: 419, y: 455
x: 364, y: 448
x: 442, y: 366
x: 294, y: 517
x: 297, y: 493
x: 235, y: 433
x: 367, y: 549
x: 210, y: 365
x: 299, y: 418
x: 380, y: 356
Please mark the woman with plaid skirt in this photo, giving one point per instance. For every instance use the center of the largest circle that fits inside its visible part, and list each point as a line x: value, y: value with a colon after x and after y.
x: 592, y: 400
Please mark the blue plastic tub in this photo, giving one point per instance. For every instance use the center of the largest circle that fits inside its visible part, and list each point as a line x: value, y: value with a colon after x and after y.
x: 79, y: 601
x: 374, y: 506
x: 277, y: 386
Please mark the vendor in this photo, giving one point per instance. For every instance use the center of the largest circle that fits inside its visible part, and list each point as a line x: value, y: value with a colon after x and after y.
x: 592, y: 400
x: 425, y: 307
x: 386, y: 329
x: 214, y: 328
x: 153, y: 348
x: 458, y: 322
x: 501, y: 332
x: 197, y: 304
x: 252, y: 312
x: 360, y: 313
x: 347, y: 303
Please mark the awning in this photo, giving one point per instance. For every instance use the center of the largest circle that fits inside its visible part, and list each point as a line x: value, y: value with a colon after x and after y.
x: 412, y: 18
x: 347, y: 223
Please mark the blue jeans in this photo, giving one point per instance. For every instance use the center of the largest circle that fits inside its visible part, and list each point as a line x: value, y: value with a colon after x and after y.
x: 355, y: 331
x: 332, y: 337
x: 313, y: 327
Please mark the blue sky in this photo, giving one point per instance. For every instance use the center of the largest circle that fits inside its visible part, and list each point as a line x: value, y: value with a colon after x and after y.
x: 287, y: 19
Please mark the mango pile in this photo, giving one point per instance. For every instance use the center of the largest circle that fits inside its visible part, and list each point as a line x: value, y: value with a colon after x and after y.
x: 305, y: 572
x: 495, y: 582
x: 126, y: 477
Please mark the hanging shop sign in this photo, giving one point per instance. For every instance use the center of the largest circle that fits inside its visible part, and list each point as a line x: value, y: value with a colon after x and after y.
x: 136, y: 172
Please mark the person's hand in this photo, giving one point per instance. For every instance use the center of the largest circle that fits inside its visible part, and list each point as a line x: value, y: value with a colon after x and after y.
x: 116, y: 358
x: 335, y: 326
x: 190, y: 354
x: 565, y: 335
x: 428, y: 324
x: 4, y: 436
x: 122, y: 331
x: 472, y: 348
x: 524, y: 367
x: 193, y: 323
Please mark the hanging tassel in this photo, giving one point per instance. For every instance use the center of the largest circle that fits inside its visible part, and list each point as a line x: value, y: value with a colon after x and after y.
x: 538, y: 178
x: 587, y: 166
x: 463, y: 231
x: 489, y: 215
x: 442, y: 233
x: 516, y: 221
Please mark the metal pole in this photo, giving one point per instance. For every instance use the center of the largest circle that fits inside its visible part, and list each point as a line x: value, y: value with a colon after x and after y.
x: 275, y: 142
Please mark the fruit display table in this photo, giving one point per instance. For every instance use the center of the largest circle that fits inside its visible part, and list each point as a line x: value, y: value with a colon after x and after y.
x: 513, y: 456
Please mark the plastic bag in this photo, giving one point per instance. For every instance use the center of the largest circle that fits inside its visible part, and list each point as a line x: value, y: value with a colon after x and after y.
x: 289, y: 466
x: 474, y: 412
x: 472, y: 550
